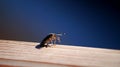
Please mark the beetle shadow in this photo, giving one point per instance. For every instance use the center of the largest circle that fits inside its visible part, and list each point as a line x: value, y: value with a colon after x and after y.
x: 37, y: 46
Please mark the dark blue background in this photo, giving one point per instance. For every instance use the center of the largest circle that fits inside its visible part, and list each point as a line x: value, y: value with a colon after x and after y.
x: 93, y: 23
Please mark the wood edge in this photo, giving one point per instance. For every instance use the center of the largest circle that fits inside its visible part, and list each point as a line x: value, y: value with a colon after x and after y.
x: 38, y: 63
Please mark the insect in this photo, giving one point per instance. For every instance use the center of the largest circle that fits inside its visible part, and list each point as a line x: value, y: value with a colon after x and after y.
x: 49, y: 39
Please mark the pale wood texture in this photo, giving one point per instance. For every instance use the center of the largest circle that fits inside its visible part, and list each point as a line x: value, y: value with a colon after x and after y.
x: 20, y: 53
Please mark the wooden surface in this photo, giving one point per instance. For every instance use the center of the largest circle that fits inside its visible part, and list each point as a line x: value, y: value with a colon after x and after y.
x: 20, y: 53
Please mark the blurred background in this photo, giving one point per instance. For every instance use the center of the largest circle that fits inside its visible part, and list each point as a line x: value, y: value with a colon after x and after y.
x: 91, y: 23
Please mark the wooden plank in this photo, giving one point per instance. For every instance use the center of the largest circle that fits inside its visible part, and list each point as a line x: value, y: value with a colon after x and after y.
x: 20, y: 53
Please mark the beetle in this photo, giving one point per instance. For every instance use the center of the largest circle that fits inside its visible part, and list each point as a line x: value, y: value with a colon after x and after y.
x: 49, y: 39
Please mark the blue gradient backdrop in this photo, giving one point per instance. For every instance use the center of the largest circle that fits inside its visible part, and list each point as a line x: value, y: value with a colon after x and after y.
x: 93, y: 23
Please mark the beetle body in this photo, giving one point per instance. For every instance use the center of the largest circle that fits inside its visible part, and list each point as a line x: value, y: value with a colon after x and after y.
x: 49, y: 39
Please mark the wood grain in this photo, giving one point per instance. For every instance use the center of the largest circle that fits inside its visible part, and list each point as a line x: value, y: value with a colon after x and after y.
x: 20, y: 53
